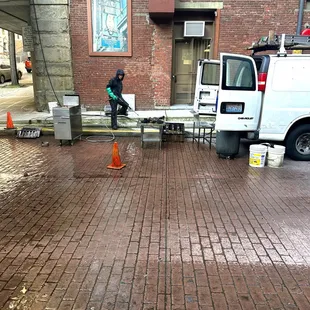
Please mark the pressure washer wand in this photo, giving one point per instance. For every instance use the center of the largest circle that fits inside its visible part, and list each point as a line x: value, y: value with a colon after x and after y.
x: 128, y: 106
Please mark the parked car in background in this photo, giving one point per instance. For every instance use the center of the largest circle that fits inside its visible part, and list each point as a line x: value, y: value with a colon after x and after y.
x: 28, y: 65
x: 5, y: 73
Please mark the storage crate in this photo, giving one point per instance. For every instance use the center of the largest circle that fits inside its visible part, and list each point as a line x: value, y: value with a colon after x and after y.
x: 173, y: 132
x: 173, y: 138
x: 29, y: 133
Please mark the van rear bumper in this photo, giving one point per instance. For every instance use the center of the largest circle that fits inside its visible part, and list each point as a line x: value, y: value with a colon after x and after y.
x: 253, y: 135
x: 272, y: 137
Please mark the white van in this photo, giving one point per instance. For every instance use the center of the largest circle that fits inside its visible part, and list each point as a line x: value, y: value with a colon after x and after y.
x: 267, y: 97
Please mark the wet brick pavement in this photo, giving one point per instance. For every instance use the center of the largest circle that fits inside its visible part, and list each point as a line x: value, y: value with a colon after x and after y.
x: 176, y: 229
x: 18, y: 100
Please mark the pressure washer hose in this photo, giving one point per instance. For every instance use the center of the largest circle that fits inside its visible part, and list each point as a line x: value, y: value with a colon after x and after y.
x: 100, y: 138
x: 94, y: 139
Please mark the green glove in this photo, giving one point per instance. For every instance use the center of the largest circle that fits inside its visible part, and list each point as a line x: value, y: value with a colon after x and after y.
x: 109, y: 91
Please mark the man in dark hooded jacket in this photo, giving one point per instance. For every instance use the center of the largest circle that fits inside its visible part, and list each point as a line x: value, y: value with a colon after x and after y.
x: 114, y: 89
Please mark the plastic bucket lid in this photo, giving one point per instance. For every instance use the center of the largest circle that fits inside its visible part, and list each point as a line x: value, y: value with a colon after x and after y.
x: 258, y: 148
x: 277, y: 149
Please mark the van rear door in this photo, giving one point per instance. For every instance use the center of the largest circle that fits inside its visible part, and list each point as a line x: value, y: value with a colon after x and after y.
x: 207, y: 85
x: 239, y: 101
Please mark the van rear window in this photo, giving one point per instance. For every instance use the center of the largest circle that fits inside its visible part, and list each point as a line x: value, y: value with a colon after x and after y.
x: 238, y: 74
x: 210, y: 74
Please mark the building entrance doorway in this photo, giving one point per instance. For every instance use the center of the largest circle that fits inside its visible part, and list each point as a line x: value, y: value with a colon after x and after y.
x: 187, y: 52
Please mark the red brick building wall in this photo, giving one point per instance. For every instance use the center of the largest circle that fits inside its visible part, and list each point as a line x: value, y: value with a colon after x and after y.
x: 244, y: 22
x: 148, y: 71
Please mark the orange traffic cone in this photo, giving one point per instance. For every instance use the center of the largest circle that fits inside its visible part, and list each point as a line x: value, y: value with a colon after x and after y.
x: 9, y: 122
x: 116, y: 160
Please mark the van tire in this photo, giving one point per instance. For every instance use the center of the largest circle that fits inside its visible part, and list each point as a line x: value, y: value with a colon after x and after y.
x: 299, y: 139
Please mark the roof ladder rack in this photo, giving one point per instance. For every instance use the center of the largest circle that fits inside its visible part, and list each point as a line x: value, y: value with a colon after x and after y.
x: 281, y: 43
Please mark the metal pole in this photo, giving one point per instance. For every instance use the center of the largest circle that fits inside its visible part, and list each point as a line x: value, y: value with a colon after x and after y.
x: 300, y: 16
x: 14, y: 78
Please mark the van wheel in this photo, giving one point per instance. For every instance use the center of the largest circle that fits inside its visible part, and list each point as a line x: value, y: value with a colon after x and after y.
x: 2, y: 79
x: 298, y: 143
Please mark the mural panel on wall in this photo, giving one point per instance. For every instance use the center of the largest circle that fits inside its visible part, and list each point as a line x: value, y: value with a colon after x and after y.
x: 109, y: 27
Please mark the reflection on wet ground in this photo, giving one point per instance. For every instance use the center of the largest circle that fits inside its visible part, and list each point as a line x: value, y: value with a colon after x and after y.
x: 177, y: 228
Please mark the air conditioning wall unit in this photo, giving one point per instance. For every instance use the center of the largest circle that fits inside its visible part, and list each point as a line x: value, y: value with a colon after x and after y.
x: 194, y: 29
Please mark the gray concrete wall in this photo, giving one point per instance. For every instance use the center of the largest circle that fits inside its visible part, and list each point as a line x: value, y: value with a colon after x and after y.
x: 52, y: 57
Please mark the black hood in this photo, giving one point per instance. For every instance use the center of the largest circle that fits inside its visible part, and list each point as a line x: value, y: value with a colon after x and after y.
x: 120, y: 72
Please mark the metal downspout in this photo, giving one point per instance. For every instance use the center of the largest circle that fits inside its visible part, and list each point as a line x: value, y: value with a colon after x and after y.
x: 300, y: 16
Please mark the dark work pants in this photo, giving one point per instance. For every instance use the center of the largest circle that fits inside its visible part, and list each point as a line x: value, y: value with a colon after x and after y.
x: 122, y: 111
x: 124, y: 107
x: 113, y: 104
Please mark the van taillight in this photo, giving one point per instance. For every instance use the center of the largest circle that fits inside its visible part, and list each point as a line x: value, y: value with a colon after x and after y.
x: 262, y: 78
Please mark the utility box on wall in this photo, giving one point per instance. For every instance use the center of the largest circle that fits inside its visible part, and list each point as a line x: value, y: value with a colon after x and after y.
x: 161, y: 9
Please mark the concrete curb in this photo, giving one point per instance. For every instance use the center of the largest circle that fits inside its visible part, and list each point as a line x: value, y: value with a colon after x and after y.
x: 96, y: 123
x: 90, y: 131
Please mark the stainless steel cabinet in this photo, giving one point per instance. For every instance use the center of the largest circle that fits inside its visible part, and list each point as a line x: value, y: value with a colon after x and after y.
x: 151, y: 133
x: 67, y: 123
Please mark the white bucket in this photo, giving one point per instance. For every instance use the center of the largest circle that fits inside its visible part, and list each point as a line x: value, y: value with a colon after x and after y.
x: 275, y: 156
x: 257, y: 155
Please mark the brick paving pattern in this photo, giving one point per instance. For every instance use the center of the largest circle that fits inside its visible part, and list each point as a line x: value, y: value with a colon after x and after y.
x: 176, y: 229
